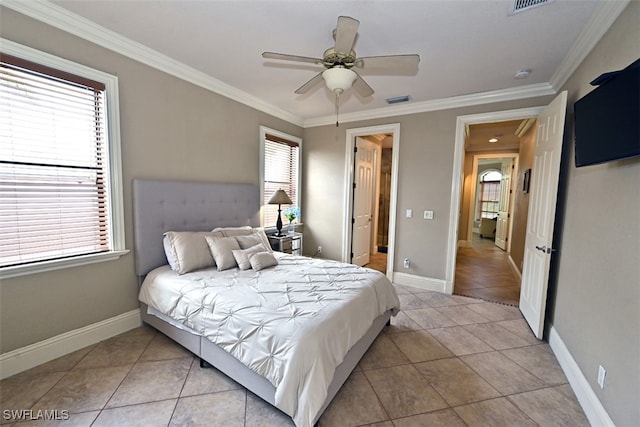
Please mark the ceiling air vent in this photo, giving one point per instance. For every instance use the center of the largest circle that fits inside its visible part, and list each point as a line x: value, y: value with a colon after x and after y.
x: 517, y: 6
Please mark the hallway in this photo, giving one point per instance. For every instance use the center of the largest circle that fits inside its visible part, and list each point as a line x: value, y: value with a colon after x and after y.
x: 483, y: 271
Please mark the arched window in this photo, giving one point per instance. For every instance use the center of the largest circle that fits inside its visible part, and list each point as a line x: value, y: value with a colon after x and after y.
x: 489, y: 194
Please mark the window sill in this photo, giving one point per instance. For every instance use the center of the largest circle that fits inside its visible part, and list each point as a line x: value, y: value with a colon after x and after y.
x: 41, y: 267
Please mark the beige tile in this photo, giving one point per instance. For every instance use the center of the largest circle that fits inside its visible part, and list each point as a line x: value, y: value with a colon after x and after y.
x: 419, y: 346
x: 82, y: 419
x: 503, y: 374
x: 540, y: 361
x: 382, y: 353
x: 462, y: 315
x: 382, y: 424
x: 401, y: 323
x: 224, y: 409
x: 520, y: 328
x: 495, y: 413
x: 152, y: 381
x: 496, y: 312
x: 429, y: 318
x: 162, y: 348
x: 411, y: 302
x: 23, y: 390
x: 496, y: 336
x: 438, y: 299
x: 442, y: 418
x: 355, y: 404
x: 459, y: 341
x: 403, y: 289
x: 83, y: 390
x: 120, y: 350
x: 404, y: 392
x: 261, y: 414
x: 456, y: 382
x: 143, y: 415
x: 206, y: 380
x: 551, y: 407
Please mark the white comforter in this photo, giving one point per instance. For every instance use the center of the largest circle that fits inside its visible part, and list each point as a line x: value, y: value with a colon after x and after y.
x: 292, y: 323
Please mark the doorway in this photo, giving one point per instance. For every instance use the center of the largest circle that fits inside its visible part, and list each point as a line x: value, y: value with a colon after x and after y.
x: 484, y: 267
x: 369, y: 223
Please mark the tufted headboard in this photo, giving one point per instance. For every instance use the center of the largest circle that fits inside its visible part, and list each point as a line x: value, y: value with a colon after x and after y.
x: 160, y: 206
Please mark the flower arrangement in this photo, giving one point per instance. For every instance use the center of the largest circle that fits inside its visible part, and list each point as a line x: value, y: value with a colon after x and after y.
x: 292, y: 213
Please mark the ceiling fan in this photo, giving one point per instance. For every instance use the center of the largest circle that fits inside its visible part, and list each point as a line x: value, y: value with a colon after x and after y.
x: 340, y: 60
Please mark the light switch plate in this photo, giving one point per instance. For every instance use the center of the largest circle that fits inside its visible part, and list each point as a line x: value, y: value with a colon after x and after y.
x: 428, y: 214
x: 409, y: 213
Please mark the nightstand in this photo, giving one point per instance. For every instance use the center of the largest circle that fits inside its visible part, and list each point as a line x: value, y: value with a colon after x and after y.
x: 289, y: 243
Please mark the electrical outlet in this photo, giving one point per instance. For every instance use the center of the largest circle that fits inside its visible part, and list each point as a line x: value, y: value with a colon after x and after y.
x: 319, y: 249
x: 601, y: 374
x: 406, y: 263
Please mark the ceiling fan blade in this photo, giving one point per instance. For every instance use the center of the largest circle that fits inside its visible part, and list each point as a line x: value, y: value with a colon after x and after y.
x: 401, y: 64
x: 286, y: 57
x: 362, y: 87
x: 345, y: 34
x: 310, y: 84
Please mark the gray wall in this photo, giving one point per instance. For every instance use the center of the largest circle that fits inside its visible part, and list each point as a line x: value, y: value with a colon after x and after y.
x: 169, y: 129
x: 597, y: 292
x: 172, y: 129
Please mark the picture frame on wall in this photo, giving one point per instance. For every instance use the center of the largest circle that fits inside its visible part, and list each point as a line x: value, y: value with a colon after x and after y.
x: 526, y: 177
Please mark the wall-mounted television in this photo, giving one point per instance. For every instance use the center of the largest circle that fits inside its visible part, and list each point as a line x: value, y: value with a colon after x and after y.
x: 607, y: 119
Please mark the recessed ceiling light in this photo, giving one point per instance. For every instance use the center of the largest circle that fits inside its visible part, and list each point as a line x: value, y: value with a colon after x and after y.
x: 493, y: 140
x: 522, y: 74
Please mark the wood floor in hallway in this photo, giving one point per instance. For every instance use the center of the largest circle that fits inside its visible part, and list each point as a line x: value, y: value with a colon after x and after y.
x: 483, y: 271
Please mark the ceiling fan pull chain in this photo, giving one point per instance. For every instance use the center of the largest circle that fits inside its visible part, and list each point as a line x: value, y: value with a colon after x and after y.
x: 337, y: 108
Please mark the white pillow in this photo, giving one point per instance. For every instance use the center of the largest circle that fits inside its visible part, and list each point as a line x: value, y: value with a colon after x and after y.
x: 234, y: 231
x: 262, y: 260
x: 249, y: 241
x: 222, y: 251
x: 242, y: 255
x: 188, y: 250
x: 263, y: 237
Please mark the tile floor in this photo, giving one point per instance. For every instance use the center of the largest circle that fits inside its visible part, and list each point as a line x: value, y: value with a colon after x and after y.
x: 444, y: 361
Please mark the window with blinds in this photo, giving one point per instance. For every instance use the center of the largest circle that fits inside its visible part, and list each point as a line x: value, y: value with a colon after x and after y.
x: 281, y: 170
x: 54, y: 164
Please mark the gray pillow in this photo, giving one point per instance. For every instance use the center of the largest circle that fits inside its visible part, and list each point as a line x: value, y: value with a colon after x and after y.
x: 188, y: 250
x: 242, y: 255
x: 222, y: 251
x: 262, y: 260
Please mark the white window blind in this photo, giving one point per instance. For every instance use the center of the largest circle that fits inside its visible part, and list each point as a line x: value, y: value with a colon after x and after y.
x: 280, y: 171
x: 53, y: 164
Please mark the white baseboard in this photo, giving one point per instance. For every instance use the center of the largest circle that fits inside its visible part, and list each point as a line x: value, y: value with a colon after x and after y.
x: 421, y: 282
x: 41, y: 352
x: 593, y: 409
x: 515, y: 268
x: 464, y: 243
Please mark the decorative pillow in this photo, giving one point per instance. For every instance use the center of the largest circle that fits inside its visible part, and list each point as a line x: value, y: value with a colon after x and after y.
x: 222, y: 250
x: 262, y: 260
x: 263, y: 237
x: 188, y: 250
x: 249, y: 241
x: 242, y: 255
x: 234, y: 231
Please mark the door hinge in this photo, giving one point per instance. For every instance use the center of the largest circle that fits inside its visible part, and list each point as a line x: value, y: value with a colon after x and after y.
x: 354, y: 185
x: 355, y: 149
x: 351, y: 255
x: 353, y: 220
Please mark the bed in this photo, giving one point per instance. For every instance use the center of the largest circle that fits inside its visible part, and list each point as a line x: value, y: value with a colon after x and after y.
x: 291, y: 333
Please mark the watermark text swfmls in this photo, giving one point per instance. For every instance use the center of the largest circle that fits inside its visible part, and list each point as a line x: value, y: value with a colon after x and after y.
x: 35, y: 415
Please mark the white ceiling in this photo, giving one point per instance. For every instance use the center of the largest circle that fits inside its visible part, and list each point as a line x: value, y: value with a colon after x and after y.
x: 466, y: 47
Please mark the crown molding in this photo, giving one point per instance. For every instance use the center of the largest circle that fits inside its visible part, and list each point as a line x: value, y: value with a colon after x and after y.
x: 58, y: 17
x: 489, y: 97
x: 72, y: 23
x: 603, y: 17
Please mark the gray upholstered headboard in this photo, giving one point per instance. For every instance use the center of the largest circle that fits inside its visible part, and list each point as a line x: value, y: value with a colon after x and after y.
x: 160, y: 206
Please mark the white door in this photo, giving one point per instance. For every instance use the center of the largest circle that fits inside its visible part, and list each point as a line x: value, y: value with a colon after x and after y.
x: 364, y: 181
x: 542, y: 209
x: 502, y: 224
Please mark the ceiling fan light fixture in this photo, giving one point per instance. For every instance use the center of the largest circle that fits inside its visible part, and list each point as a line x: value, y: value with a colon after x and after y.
x: 339, y: 79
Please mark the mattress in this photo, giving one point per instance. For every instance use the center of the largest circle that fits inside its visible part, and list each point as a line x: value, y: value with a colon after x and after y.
x: 292, y: 323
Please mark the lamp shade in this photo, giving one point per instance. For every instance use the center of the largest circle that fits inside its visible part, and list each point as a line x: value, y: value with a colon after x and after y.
x: 339, y: 79
x: 280, y: 198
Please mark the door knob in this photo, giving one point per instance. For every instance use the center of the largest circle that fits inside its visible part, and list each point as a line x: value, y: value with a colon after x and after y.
x: 545, y: 249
